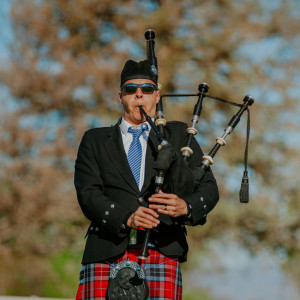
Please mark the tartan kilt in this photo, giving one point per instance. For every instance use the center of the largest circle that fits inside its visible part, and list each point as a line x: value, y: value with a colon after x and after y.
x: 163, y: 275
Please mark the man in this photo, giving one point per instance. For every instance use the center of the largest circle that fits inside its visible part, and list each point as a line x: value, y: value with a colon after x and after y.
x: 115, y: 189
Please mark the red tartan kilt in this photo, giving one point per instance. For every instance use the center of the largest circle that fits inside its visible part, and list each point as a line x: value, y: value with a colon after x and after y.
x: 163, y: 275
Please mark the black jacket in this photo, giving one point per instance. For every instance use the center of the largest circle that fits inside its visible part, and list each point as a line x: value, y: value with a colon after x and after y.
x: 108, y: 194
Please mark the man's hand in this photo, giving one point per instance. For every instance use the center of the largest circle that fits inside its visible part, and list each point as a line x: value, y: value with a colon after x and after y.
x: 168, y: 204
x: 143, y: 217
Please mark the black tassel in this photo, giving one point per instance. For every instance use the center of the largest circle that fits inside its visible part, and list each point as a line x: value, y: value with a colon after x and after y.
x: 244, y: 192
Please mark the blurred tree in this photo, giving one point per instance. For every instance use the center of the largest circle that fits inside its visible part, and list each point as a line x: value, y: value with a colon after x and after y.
x: 63, y: 77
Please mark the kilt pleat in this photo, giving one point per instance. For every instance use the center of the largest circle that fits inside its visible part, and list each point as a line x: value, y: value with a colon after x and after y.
x: 163, y: 275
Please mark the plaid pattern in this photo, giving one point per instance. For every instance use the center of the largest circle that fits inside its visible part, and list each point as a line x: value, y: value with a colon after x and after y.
x: 163, y: 276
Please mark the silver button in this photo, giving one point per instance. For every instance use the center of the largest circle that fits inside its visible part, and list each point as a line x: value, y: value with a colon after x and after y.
x: 141, y: 199
x: 204, y: 206
x: 92, y: 228
x: 112, y: 206
x: 97, y: 228
x: 103, y: 221
x: 106, y: 213
x: 201, y: 198
x: 123, y: 226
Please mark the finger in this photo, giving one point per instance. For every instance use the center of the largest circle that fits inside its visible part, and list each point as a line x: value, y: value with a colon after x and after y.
x: 168, y: 202
x: 163, y: 207
x: 159, y: 200
x: 140, y: 222
x: 163, y: 200
x: 166, y: 212
x: 146, y: 213
x: 147, y: 218
x: 164, y: 195
x: 167, y: 206
x: 145, y: 223
x: 155, y: 206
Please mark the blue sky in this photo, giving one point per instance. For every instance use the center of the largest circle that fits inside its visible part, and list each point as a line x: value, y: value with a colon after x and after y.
x: 5, y: 32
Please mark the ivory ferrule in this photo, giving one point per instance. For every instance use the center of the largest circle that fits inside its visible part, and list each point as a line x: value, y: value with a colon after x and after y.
x: 192, y: 130
x: 207, y: 160
x: 160, y: 122
x: 186, y: 151
x: 221, y: 141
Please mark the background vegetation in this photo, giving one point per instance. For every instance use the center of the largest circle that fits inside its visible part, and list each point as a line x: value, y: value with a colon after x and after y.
x: 62, y: 78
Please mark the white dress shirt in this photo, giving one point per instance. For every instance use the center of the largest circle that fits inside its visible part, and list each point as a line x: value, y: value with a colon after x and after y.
x: 127, y: 138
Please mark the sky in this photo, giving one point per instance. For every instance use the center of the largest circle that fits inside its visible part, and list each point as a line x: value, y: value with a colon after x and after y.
x: 5, y: 32
x: 6, y: 36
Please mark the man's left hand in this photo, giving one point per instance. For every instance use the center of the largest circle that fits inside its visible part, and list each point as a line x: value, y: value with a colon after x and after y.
x: 168, y: 204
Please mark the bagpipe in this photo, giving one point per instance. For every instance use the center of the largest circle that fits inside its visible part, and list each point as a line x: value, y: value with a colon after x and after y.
x: 196, y: 174
x: 187, y: 178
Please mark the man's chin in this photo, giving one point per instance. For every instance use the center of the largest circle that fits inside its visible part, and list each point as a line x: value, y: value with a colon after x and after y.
x: 140, y: 117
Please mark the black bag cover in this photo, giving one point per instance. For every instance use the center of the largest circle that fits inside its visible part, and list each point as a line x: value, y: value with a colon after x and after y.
x: 127, y: 281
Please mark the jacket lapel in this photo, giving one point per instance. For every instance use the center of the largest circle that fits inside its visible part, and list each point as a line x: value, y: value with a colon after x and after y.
x: 151, y: 150
x: 115, y: 150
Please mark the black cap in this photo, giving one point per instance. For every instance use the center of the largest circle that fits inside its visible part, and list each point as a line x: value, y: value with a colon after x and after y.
x: 136, y: 70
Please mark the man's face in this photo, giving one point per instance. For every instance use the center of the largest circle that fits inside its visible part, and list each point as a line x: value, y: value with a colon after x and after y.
x: 131, y: 102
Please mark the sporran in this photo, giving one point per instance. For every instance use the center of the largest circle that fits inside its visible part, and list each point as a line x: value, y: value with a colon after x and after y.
x: 127, y: 281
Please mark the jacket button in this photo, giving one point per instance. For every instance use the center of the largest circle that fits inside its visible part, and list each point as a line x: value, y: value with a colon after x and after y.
x: 106, y: 213
x: 141, y: 199
x: 103, y: 221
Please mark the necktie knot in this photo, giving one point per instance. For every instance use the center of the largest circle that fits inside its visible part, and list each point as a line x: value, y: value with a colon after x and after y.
x: 137, y: 131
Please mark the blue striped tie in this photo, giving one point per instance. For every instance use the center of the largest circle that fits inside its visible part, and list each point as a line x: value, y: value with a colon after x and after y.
x: 135, y: 152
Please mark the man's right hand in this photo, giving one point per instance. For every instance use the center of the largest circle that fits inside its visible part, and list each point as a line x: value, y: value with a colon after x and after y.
x: 143, y: 217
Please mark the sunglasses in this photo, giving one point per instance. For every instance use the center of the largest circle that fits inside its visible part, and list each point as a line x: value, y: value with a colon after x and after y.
x: 131, y: 88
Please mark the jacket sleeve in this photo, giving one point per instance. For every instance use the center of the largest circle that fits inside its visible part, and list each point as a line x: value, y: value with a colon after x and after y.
x: 95, y: 205
x: 206, y: 195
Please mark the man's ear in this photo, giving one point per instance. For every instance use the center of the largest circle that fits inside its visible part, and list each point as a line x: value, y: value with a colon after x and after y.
x: 157, y: 97
x: 120, y: 97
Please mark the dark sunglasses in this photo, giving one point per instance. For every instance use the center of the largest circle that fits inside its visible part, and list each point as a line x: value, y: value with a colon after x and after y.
x: 131, y: 88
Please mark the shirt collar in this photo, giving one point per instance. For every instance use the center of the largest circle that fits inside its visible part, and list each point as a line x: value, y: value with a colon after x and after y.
x: 125, y: 125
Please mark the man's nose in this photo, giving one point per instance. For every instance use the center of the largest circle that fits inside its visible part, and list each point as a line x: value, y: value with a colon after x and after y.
x: 139, y: 92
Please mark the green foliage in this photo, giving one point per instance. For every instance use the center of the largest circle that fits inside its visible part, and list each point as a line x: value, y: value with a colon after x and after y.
x: 197, y: 296
x: 65, y: 275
